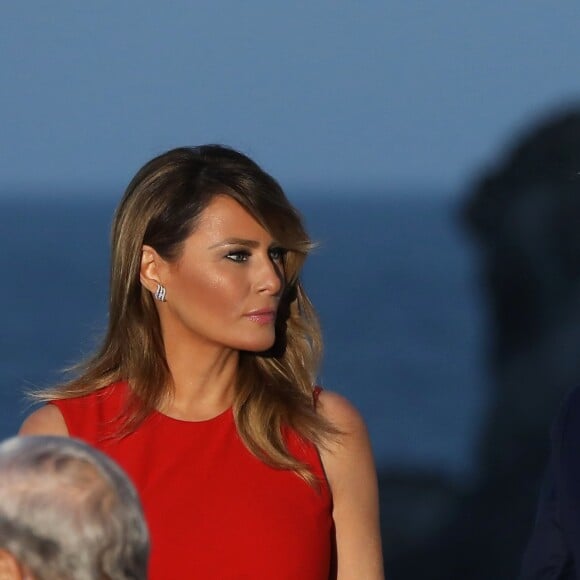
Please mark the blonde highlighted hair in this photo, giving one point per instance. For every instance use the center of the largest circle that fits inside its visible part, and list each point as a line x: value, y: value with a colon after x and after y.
x: 160, y: 208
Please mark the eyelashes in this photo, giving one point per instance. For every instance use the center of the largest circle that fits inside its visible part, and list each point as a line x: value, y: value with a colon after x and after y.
x: 276, y: 254
x: 238, y: 256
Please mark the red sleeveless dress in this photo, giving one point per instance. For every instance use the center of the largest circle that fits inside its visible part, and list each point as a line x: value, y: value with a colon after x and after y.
x: 214, y: 510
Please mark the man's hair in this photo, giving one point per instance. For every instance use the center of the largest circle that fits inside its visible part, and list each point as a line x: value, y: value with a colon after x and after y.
x: 69, y: 512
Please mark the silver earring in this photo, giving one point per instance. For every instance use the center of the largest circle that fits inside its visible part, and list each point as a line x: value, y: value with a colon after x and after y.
x: 160, y: 293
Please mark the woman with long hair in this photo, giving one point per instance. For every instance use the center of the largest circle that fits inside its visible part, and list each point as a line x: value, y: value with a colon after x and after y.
x: 204, y: 387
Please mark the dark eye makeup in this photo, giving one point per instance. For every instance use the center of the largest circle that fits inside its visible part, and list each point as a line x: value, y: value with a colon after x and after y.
x: 276, y: 253
x: 238, y: 255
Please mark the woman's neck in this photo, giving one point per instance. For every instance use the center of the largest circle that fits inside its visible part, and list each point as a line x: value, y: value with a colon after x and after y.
x: 204, y: 379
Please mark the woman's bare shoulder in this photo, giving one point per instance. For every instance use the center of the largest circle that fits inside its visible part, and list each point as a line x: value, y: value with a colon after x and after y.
x: 352, y: 446
x: 340, y: 412
x: 47, y: 420
x: 350, y: 469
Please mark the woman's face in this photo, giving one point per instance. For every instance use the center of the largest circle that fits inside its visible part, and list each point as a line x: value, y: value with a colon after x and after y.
x: 225, y: 287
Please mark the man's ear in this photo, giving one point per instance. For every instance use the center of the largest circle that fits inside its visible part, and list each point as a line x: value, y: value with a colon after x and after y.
x: 10, y: 568
x: 152, y: 267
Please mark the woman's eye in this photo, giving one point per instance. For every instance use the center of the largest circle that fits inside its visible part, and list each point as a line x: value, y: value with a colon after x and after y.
x: 277, y: 254
x: 238, y: 256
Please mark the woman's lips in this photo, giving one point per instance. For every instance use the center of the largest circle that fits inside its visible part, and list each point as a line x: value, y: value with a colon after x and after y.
x: 262, y: 316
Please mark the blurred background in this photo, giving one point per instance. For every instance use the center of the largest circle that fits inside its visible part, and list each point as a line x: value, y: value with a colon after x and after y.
x: 433, y: 149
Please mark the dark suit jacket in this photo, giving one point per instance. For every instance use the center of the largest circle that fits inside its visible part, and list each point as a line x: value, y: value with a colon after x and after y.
x: 553, y: 552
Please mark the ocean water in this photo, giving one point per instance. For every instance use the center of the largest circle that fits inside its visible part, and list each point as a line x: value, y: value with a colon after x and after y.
x: 394, y: 281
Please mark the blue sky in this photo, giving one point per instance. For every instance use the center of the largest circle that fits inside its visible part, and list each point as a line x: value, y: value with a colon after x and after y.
x: 326, y: 95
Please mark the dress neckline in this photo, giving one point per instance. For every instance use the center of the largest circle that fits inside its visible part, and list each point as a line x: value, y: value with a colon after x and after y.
x: 220, y: 417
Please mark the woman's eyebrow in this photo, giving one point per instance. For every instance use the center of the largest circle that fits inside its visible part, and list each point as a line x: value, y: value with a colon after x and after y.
x: 236, y: 242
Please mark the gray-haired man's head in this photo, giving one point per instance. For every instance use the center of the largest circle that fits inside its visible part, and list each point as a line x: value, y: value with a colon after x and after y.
x: 67, y: 512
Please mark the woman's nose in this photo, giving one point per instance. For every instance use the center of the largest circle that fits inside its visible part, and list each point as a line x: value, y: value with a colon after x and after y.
x: 271, y: 277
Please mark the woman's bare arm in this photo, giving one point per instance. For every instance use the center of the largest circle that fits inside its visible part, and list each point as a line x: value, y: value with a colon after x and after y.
x: 352, y: 477
x: 47, y: 420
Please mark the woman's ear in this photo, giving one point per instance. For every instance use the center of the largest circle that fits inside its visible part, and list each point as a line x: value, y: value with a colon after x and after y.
x: 10, y: 568
x: 152, y: 266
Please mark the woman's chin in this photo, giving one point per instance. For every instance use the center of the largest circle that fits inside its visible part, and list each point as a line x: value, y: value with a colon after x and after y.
x: 261, y: 345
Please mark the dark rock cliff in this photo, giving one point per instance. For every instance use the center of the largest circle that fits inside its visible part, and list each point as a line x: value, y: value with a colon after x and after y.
x: 524, y: 215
